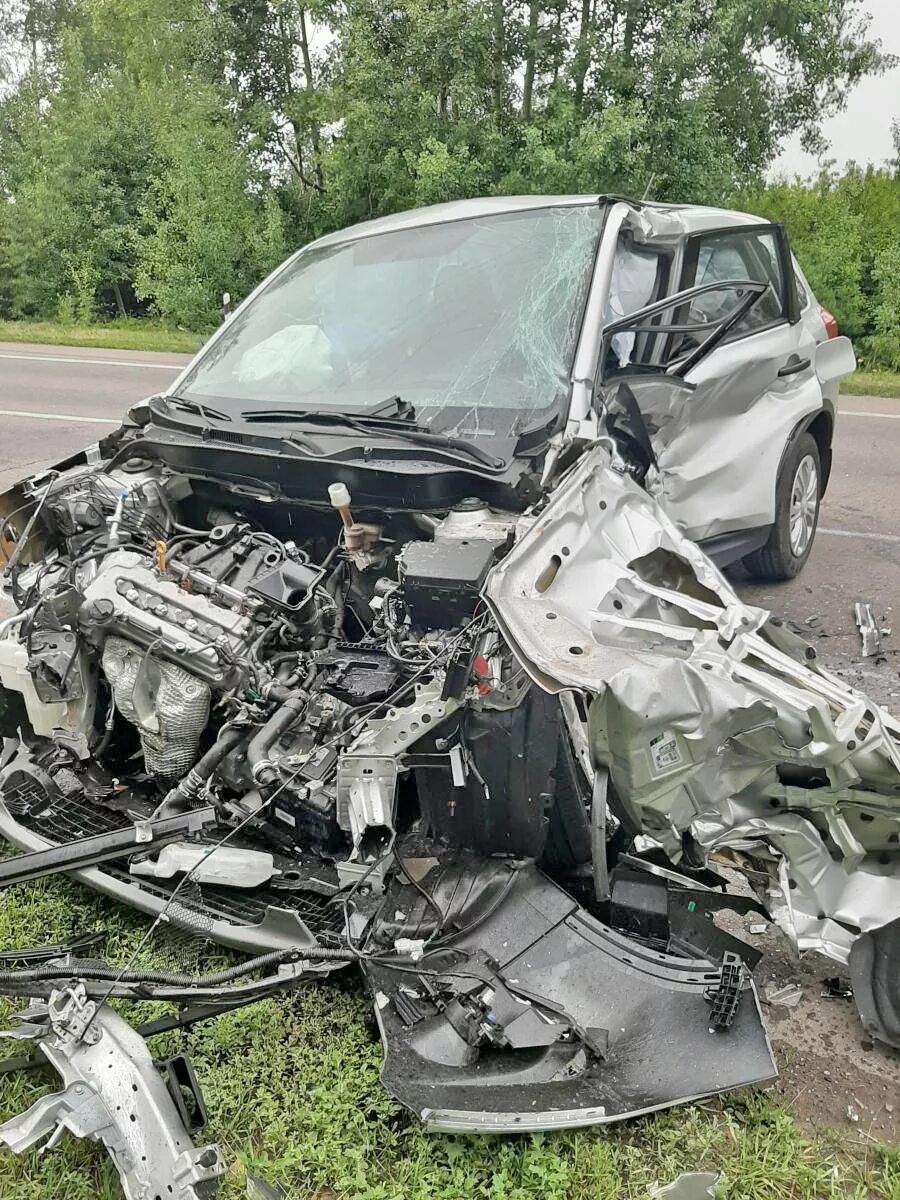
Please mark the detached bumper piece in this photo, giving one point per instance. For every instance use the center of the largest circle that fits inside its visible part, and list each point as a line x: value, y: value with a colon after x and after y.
x: 114, y: 1094
x: 84, y: 837
x: 531, y: 1014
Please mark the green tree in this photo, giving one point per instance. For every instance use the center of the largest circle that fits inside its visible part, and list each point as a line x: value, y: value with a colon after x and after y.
x: 156, y: 152
x: 207, y: 229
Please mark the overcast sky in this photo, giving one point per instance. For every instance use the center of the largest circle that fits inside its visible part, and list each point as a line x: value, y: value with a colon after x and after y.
x: 863, y: 131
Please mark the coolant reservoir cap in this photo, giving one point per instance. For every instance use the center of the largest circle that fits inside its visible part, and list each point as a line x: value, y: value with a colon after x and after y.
x: 339, y: 495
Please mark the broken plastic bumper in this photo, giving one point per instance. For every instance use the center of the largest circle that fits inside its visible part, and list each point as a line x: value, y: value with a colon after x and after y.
x: 554, y: 1020
x: 253, y: 928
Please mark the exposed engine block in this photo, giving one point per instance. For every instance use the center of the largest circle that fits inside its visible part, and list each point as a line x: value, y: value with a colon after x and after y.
x: 167, y: 704
x: 128, y: 598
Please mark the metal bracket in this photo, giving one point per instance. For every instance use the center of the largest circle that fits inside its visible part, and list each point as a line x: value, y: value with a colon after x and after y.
x: 366, y: 786
x: 114, y: 1094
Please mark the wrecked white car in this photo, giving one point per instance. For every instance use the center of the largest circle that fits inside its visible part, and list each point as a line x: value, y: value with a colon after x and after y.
x: 384, y: 638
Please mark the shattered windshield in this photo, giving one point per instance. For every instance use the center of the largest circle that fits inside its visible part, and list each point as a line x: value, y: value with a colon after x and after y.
x: 466, y: 315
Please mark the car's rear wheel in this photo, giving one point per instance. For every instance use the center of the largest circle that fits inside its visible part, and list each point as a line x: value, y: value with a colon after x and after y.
x: 797, y: 497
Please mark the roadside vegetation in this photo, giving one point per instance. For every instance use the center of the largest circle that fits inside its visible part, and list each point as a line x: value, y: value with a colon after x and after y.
x: 872, y: 383
x: 292, y: 1089
x: 149, y: 164
x: 126, y: 334
x: 153, y: 156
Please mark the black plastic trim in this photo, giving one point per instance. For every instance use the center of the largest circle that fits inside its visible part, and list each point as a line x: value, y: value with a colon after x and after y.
x: 727, y: 548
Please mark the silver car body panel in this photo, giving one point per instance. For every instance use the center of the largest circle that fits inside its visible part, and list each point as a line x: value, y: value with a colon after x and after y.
x: 719, y: 447
x: 702, y: 706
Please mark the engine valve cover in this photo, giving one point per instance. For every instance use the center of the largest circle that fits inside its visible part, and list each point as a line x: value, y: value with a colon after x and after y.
x: 128, y: 598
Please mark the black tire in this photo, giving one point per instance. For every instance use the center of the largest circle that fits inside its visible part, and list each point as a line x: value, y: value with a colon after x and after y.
x: 778, y: 559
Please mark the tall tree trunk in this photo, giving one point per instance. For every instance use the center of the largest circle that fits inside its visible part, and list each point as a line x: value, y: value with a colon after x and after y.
x: 499, y: 80
x: 582, y: 58
x: 530, y: 59
x: 632, y: 13
x: 310, y: 88
x: 120, y: 303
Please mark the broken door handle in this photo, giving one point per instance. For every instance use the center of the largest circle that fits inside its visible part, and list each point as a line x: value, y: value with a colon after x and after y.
x: 793, y: 368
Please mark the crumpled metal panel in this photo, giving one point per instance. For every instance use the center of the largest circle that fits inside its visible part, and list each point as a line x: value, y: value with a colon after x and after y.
x: 703, y: 707
x: 719, y: 446
x: 692, y: 1185
x: 113, y: 1094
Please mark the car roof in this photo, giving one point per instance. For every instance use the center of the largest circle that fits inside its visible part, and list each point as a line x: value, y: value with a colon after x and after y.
x: 687, y: 218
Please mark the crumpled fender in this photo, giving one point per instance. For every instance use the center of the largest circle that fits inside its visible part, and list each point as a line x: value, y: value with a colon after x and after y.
x: 698, y: 700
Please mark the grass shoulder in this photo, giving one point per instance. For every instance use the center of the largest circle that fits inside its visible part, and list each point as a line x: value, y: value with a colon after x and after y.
x: 872, y: 383
x: 111, y: 335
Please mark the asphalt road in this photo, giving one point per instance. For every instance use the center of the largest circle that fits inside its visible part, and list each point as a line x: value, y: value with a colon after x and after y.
x: 56, y: 399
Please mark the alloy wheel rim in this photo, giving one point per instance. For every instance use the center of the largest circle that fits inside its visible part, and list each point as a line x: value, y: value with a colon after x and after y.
x: 804, y: 505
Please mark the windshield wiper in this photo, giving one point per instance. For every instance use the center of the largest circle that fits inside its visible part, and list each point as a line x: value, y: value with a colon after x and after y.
x: 396, y: 426
x: 202, y: 410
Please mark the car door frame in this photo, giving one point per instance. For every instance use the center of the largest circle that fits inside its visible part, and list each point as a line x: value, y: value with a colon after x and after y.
x: 732, y: 540
x: 689, y: 251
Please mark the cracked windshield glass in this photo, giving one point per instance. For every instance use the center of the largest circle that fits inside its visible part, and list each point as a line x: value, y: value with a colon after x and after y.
x: 453, y: 317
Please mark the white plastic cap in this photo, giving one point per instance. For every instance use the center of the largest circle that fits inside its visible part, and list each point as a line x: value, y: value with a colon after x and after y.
x: 339, y: 495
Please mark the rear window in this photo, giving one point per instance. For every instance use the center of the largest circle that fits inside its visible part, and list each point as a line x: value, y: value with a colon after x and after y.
x: 803, y: 300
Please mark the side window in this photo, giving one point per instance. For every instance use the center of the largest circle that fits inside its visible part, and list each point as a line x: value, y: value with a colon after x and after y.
x: 730, y: 256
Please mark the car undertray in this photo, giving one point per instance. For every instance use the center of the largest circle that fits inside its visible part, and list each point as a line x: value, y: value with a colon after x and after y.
x: 542, y: 1016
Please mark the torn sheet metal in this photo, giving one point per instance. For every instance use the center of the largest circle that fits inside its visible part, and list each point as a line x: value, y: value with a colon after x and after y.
x: 692, y: 1185
x: 713, y: 720
x: 869, y: 633
x: 114, y: 1094
x: 718, y: 443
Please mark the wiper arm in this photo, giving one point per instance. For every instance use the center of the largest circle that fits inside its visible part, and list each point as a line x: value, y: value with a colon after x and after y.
x: 369, y: 423
x: 403, y: 410
x: 202, y: 410
x: 446, y: 441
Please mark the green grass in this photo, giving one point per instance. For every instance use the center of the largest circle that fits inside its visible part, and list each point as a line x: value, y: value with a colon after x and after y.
x: 292, y: 1088
x: 111, y: 335
x: 872, y: 383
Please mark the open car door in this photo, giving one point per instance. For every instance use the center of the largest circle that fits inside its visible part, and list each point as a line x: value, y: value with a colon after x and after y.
x: 720, y: 375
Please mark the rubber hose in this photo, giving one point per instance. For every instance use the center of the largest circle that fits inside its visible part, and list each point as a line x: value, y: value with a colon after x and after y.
x: 219, y: 750
x: 262, y: 742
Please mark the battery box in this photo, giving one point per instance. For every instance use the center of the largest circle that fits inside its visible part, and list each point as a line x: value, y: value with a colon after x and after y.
x: 441, y: 580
